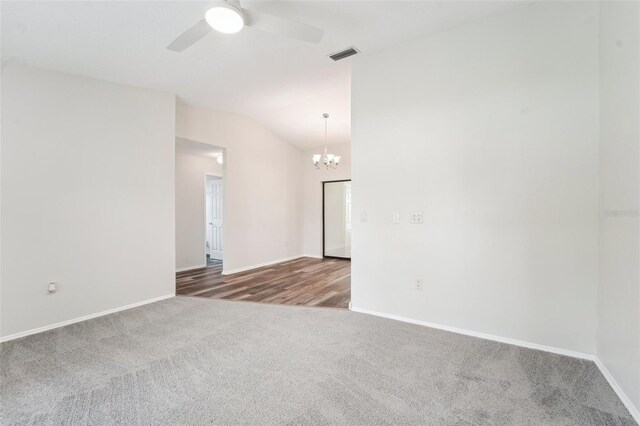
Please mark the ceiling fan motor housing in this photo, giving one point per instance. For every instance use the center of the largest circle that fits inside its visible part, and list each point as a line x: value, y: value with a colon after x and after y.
x: 233, y: 5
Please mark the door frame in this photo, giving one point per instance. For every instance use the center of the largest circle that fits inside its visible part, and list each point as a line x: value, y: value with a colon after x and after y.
x: 204, y: 245
x: 323, y: 255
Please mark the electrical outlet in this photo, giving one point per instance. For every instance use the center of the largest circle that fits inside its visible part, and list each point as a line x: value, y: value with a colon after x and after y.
x: 396, y: 218
x: 52, y: 287
x: 363, y: 217
x: 416, y: 218
x: 419, y: 284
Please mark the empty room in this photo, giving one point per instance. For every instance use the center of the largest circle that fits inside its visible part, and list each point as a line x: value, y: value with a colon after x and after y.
x: 320, y: 212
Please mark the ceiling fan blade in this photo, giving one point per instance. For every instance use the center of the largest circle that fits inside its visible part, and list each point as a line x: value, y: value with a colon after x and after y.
x: 189, y: 37
x: 282, y: 26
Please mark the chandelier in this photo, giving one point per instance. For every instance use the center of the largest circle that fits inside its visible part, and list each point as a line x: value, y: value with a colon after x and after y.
x: 330, y: 161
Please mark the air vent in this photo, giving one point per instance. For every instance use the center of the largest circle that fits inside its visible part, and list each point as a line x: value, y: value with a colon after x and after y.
x: 344, y: 54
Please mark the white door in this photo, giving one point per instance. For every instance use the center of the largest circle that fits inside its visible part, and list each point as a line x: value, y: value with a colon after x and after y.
x: 214, y: 218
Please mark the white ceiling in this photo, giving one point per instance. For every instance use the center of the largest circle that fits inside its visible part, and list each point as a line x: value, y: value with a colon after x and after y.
x: 284, y: 84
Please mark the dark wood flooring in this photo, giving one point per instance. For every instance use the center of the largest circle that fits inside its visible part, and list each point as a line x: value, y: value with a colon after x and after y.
x: 305, y: 281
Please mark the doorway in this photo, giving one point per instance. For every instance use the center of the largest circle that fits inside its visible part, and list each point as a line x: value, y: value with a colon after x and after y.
x: 336, y: 219
x: 199, y: 174
x: 214, y: 196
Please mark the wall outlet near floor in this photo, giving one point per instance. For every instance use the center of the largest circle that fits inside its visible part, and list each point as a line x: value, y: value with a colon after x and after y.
x: 416, y: 218
x: 418, y: 284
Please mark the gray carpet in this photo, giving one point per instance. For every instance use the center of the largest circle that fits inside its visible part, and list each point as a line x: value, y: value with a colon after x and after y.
x: 201, y: 361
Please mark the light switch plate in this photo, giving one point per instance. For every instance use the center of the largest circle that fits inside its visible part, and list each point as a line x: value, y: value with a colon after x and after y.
x: 416, y: 218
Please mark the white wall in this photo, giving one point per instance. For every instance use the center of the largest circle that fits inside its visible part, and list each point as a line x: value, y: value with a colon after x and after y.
x: 263, y: 198
x: 619, y: 290
x: 491, y: 130
x: 87, y: 196
x: 190, y: 207
x: 313, y: 179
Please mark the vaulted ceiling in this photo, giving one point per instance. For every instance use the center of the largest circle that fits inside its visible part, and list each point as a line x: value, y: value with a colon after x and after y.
x: 284, y: 84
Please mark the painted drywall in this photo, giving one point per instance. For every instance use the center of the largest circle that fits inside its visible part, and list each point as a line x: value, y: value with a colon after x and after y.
x: 619, y: 287
x: 263, y: 184
x: 87, y: 196
x: 312, y: 193
x: 490, y: 130
x: 190, y: 207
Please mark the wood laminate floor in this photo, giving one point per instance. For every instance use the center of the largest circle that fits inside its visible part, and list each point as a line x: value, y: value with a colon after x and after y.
x: 304, y: 281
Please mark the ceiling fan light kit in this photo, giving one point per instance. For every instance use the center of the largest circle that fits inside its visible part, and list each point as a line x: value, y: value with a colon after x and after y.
x: 226, y: 18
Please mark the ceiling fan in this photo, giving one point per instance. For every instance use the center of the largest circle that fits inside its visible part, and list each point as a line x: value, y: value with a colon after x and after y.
x: 228, y: 17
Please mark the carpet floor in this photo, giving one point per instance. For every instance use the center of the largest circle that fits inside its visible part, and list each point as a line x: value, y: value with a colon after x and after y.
x: 190, y: 361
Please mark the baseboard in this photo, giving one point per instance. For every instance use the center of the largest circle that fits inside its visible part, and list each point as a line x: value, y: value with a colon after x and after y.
x: 313, y: 256
x: 188, y: 268
x: 259, y: 265
x: 485, y: 336
x: 635, y: 412
x: 84, y: 318
x: 612, y: 382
